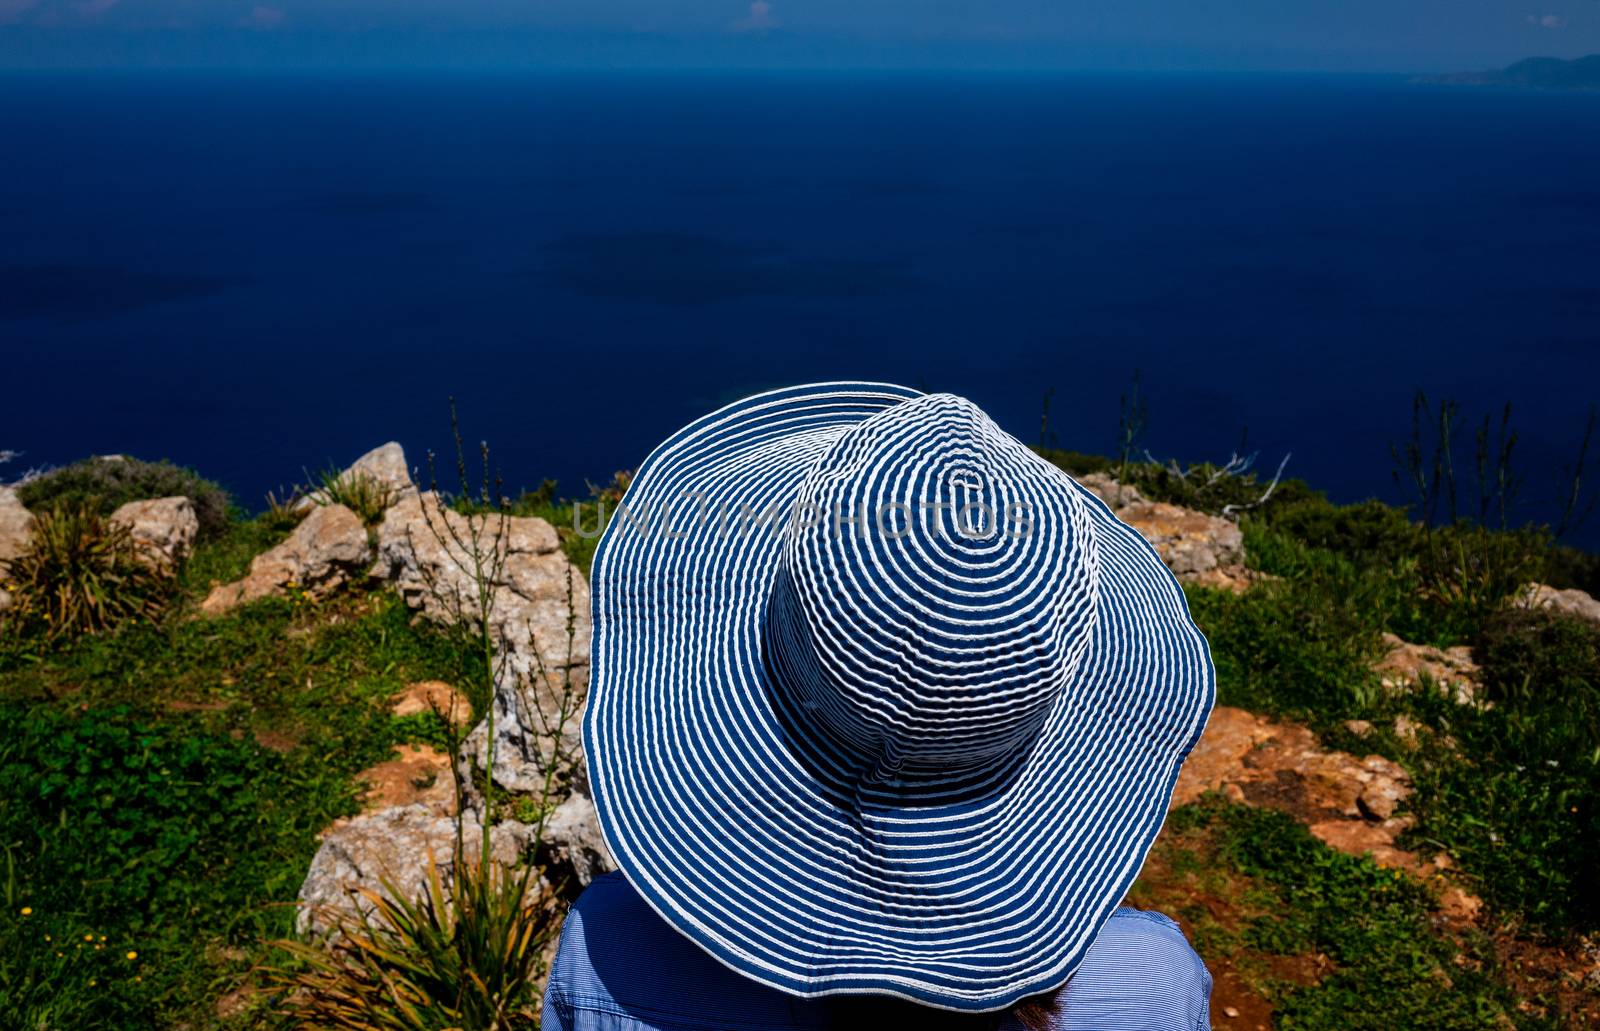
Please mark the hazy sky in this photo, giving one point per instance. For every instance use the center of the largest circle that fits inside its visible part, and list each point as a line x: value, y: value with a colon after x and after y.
x: 1367, y: 35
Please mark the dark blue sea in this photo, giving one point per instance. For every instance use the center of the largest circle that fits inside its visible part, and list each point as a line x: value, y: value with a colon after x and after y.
x: 260, y: 275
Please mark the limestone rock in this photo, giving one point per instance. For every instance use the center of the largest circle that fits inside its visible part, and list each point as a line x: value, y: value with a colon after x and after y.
x: 1235, y: 577
x: 385, y: 466
x: 163, y: 529
x: 1572, y: 602
x: 424, y: 550
x: 391, y: 844
x: 16, y: 525
x: 16, y: 531
x: 1404, y: 665
x: 322, y: 554
x: 574, y: 849
x: 1195, y: 546
x: 1116, y: 495
x: 538, y: 621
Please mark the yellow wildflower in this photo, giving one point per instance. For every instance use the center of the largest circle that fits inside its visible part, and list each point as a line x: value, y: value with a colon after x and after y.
x: 132, y: 954
x: 88, y: 937
x: 27, y: 910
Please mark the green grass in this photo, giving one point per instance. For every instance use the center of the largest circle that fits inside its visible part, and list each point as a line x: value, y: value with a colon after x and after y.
x: 1388, y: 966
x: 111, y: 482
x: 162, y: 836
x: 163, y: 785
x: 226, y: 558
x: 1511, y: 788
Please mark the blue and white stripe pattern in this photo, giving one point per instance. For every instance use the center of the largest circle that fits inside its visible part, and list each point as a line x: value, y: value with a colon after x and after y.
x: 880, y: 701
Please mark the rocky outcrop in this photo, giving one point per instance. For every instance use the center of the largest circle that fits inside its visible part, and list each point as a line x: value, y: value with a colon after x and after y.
x: 1198, y: 548
x: 385, y: 466
x: 391, y: 846
x: 573, y: 849
x: 1406, y: 666
x: 1252, y: 758
x: 324, y: 552
x: 163, y: 529
x: 1571, y: 602
x: 1351, y: 803
x: 538, y: 616
x: 538, y: 620
x: 1116, y: 495
x: 16, y: 531
x: 427, y: 551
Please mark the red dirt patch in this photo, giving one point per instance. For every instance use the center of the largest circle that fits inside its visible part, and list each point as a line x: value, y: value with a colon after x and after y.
x: 186, y: 705
x: 276, y: 740
x: 432, y: 696
x: 417, y: 773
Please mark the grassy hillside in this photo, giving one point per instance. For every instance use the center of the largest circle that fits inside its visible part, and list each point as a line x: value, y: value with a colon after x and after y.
x: 162, y: 782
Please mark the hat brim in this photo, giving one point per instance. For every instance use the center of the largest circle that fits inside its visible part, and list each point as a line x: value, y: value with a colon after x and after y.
x: 967, y: 901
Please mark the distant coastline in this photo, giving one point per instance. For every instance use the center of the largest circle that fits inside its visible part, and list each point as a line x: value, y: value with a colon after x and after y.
x: 1582, y: 73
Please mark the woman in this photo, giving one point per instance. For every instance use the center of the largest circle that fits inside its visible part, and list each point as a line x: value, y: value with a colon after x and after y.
x: 885, y: 713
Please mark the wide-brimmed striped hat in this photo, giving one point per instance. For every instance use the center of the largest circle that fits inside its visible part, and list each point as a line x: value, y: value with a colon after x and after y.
x: 881, y: 701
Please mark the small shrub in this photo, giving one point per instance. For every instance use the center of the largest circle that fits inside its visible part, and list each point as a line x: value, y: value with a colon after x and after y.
x: 108, y: 483
x: 465, y: 954
x: 1302, y: 647
x: 283, y: 514
x: 365, y: 495
x: 1076, y: 462
x: 1369, y: 533
x: 532, y: 501
x: 1513, y: 793
x: 1390, y: 968
x: 81, y: 574
x: 1535, y: 660
x: 1467, y: 571
x: 1567, y: 567
x: 1204, y: 487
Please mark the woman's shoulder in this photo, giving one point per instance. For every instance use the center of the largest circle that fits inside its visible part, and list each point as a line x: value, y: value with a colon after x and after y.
x: 621, y: 967
x: 1141, y: 972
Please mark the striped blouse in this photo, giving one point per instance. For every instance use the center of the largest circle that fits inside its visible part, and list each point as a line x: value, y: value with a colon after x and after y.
x: 621, y: 968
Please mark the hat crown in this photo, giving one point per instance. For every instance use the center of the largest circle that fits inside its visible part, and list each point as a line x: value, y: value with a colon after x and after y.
x: 940, y: 588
